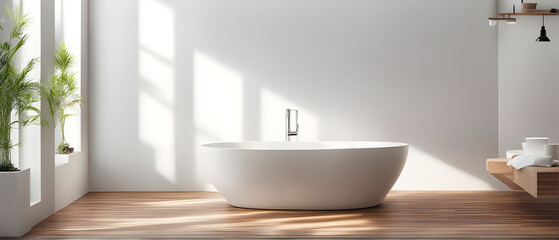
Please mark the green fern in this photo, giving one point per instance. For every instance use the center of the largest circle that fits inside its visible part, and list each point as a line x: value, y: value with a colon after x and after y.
x: 17, y: 91
x: 61, y: 91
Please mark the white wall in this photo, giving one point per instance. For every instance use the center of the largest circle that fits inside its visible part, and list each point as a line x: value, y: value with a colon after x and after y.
x: 45, y: 207
x: 528, y: 85
x: 167, y: 76
x: 71, y: 178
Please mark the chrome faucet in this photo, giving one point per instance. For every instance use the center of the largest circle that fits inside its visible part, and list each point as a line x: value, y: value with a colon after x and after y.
x: 291, y: 125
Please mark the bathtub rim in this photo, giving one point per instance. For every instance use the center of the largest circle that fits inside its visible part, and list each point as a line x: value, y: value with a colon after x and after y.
x: 386, y: 145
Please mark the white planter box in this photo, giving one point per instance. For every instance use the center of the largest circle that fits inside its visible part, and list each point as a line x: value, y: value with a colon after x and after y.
x: 14, y: 203
x: 71, y: 178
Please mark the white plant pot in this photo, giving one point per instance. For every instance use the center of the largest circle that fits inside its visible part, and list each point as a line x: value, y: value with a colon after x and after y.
x: 14, y: 203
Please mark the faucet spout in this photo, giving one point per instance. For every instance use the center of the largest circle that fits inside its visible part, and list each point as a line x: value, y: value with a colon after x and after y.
x: 291, y: 124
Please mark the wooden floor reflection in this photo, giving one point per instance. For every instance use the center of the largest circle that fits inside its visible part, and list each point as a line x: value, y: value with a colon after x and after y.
x: 404, y: 214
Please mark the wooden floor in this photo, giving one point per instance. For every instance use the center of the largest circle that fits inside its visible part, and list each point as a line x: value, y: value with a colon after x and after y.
x: 404, y: 214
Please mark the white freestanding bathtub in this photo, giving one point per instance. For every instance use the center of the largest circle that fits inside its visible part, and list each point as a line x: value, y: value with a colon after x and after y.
x: 304, y: 175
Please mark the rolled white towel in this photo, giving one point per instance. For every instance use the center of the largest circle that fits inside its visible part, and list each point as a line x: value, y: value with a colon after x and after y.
x: 523, y: 161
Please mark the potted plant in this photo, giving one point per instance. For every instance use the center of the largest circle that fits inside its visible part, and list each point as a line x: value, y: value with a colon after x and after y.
x: 60, y: 93
x: 17, y: 91
x: 17, y: 96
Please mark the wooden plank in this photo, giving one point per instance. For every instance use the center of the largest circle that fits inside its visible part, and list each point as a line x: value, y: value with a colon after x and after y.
x: 553, y: 169
x: 404, y: 214
x: 527, y: 178
x: 548, y: 183
x: 502, y: 19
x: 508, y: 180
x: 528, y: 14
x: 538, y: 181
x: 498, y: 166
x: 499, y: 169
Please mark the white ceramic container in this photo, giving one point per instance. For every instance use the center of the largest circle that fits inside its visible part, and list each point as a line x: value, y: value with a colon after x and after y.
x: 534, y: 145
x: 551, y: 150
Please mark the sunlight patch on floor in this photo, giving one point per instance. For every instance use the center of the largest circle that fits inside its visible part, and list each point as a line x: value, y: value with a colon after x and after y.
x: 116, y: 223
x: 182, y: 202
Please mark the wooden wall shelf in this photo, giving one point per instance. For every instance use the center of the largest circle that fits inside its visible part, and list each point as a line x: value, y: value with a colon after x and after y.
x: 537, y: 181
x: 528, y: 14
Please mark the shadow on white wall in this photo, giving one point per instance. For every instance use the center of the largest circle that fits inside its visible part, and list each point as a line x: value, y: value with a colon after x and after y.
x: 156, y: 100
